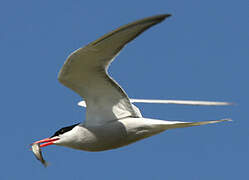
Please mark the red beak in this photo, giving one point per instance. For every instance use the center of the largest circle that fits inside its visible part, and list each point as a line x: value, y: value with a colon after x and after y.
x: 46, y: 141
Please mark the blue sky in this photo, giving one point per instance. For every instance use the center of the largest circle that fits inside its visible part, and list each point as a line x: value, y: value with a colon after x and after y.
x: 200, y: 53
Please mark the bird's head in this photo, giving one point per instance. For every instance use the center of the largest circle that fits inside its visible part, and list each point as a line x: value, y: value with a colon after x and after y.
x: 56, y: 138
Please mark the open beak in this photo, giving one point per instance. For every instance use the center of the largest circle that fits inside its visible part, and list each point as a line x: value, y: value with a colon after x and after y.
x: 46, y: 141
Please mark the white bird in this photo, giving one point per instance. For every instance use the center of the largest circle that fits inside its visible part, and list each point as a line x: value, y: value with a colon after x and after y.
x: 112, y: 121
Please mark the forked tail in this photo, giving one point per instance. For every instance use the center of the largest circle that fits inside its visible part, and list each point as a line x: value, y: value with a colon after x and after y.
x: 179, y: 124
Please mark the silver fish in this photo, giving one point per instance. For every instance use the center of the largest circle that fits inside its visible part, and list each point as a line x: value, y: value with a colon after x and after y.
x: 38, y: 153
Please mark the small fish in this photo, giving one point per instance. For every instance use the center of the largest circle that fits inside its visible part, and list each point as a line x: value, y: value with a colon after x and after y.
x: 38, y: 153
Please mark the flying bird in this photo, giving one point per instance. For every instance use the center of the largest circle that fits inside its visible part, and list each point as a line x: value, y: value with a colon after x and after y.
x: 112, y: 120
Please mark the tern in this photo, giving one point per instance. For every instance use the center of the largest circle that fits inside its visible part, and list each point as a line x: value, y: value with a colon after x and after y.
x: 112, y: 120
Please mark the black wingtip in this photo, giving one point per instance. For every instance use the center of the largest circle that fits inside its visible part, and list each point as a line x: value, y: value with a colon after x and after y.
x: 163, y: 16
x: 160, y: 17
x: 167, y: 15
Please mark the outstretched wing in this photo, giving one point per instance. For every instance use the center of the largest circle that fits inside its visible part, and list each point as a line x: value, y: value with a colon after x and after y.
x: 85, y: 72
x: 182, y: 102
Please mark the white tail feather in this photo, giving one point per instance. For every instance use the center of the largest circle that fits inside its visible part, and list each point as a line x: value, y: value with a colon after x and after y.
x: 179, y: 124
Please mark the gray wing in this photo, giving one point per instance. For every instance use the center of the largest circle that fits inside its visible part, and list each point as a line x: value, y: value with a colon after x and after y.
x: 182, y: 102
x: 85, y: 72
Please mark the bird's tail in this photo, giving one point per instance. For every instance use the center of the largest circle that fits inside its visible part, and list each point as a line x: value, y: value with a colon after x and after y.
x: 179, y: 124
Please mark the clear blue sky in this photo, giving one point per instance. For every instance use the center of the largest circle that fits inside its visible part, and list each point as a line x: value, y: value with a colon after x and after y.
x: 200, y: 53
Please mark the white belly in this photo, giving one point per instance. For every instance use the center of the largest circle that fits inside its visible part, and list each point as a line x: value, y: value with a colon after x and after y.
x: 115, y: 134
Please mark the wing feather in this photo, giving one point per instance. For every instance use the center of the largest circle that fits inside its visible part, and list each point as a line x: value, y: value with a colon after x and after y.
x: 181, y: 102
x: 85, y: 72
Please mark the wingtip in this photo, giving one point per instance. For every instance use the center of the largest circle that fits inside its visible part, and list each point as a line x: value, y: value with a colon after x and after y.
x: 227, y: 119
x: 158, y: 18
x: 232, y: 104
x: 161, y: 17
x: 165, y: 15
x: 227, y: 104
x: 46, y: 164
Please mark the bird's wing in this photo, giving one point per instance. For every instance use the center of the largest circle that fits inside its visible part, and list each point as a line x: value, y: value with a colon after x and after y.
x: 85, y: 72
x: 183, y: 102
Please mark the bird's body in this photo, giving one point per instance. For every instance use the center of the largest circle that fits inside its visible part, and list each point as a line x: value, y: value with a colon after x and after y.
x: 112, y: 135
x: 112, y: 120
x: 118, y: 133
x: 97, y: 138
